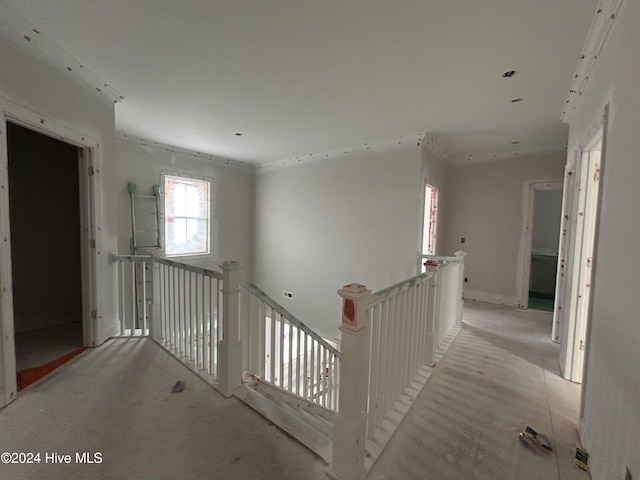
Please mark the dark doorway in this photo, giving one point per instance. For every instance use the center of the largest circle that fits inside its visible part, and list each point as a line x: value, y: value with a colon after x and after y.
x: 44, y: 203
x: 544, y: 248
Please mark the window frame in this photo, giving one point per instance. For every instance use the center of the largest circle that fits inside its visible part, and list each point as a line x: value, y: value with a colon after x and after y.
x: 430, y: 224
x: 187, y: 176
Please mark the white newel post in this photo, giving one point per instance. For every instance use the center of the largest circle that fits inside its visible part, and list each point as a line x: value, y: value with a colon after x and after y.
x: 459, y: 295
x: 230, y: 347
x: 349, y: 424
x: 431, y: 339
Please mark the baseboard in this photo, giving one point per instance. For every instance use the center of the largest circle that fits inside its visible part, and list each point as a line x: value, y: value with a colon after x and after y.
x: 109, y: 332
x: 493, y: 298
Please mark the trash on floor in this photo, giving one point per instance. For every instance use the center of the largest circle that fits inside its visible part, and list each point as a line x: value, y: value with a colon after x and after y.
x: 538, y: 443
x: 582, y: 459
x: 178, y: 387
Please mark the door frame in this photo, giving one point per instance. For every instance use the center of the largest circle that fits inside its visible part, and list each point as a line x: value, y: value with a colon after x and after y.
x: 570, y: 331
x: 89, y: 163
x: 578, y: 281
x: 523, y: 303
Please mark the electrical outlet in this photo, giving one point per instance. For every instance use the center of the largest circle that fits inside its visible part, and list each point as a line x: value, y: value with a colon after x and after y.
x: 463, y: 239
x: 287, y: 294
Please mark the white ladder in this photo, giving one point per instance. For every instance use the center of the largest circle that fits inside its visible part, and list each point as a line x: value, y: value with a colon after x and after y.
x: 145, y: 240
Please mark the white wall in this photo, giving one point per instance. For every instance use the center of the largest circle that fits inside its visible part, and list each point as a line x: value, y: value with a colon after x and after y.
x: 611, y: 390
x: 321, y: 225
x: 486, y: 204
x: 38, y: 88
x: 232, y: 192
x: 545, y: 237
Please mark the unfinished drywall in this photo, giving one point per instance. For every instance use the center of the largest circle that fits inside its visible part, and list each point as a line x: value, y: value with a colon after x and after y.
x: 610, y: 427
x: 321, y: 225
x: 232, y: 199
x: 33, y: 87
x: 487, y: 206
x: 53, y: 93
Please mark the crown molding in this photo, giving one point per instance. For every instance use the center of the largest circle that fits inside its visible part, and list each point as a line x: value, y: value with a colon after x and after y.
x: 22, y: 33
x: 604, y: 18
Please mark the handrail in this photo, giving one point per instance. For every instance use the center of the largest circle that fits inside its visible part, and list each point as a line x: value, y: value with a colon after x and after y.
x: 114, y: 257
x: 394, y: 337
x: 420, y: 260
x: 189, y: 268
x: 439, y: 258
x: 385, y: 292
x: 289, y: 316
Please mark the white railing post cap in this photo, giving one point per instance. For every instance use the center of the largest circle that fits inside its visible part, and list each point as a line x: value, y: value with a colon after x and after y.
x: 460, y: 254
x: 354, y: 298
x: 230, y: 265
x: 354, y: 290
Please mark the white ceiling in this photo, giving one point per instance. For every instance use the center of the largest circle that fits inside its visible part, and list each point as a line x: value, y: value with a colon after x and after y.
x: 300, y: 77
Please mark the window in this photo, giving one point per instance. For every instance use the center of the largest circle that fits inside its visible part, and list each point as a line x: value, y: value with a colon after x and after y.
x: 429, y: 220
x: 186, y: 215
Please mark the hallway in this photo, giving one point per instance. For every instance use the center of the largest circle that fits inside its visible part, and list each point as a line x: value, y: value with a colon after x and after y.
x: 498, y: 376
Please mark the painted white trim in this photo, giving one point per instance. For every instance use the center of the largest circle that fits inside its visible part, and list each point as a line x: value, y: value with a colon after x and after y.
x: 603, y: 139
x: 405, y: 141
x: 566, y: 233
x: 187, y: 153
x: 8, y: 383
x: 527, y: 237
x: 605, y: 15
x: 91, y: 226
x: 492, y: 298
x: 575, y: 315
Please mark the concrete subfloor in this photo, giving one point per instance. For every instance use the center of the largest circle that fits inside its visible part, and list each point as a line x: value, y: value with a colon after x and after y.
x: 116, y: 400
x: 499, y: 375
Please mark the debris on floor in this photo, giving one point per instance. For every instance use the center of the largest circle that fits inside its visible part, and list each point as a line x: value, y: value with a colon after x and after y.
x: 178, y: 387
x: 538, y: 443
x: 582, y: 459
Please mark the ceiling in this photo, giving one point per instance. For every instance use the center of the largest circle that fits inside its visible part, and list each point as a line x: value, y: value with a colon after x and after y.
x: 304, y: 77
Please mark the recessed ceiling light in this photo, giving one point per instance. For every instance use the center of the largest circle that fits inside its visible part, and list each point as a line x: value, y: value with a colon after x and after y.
x: 508, y: 74
x: 238, y: 134
x: 516, y: 100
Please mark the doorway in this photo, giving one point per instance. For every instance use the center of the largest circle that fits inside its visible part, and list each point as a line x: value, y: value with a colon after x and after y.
x: 45, y: 237
x: 545, y: 238
x: 541, y: 236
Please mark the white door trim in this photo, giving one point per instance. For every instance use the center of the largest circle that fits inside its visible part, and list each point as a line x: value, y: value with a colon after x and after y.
x: 574, y: 324
x: 91, y: 225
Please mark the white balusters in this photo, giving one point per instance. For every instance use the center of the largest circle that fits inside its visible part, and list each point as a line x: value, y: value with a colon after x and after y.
x: 290, y: 354
x: 134, y: 294
x: 189, y: 306
x: 389, y: 339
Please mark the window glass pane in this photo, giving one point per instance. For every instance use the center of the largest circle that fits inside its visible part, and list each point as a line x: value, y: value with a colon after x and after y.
x: 186, y: 216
